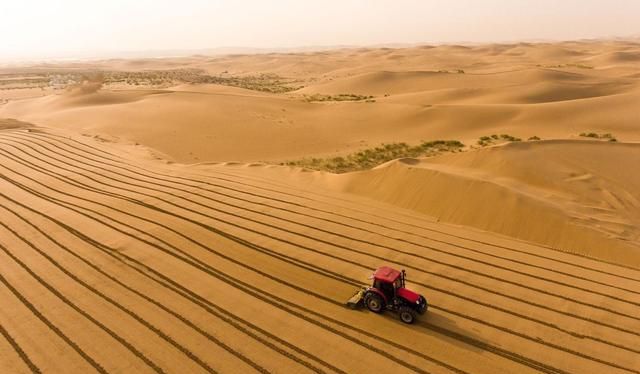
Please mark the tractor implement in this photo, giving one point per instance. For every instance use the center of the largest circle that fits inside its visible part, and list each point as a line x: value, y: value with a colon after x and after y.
x: 355, y: 301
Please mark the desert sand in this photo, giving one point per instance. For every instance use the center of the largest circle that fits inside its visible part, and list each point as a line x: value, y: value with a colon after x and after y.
x: 149, y: 221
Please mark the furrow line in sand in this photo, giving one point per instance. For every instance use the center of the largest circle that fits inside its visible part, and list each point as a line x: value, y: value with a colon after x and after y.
x: 509, y: 269
x: 354, y: 282
x: 234, y: 282
x: 67, y: 301
x: 342, y: 247
x: 489, y: 305
x: 16, y: 347
x: 51, y: 326
x: 220, y: 313
x: 305, y: 194
x: 342, y: 223
x: 269, y: 298
x: 322, y: 297
x: 108, y: 299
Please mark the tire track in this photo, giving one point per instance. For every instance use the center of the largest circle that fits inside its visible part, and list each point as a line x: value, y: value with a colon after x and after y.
x: 488, y: 305
x: 255, y: 292
x: 505, y: 268
x: 345, y: 248
x: 106, y: 298
x: 336, y: 222
x: 52, y: 327
x: 51, y: 289
x: 168, y: 282
x: 243, y: 242
x: 16, y: 347
x: 479, y: 344
x: 322, y: 297
x: 305, y: 197
x: 50, y: 136
x: 525, y: 317
x: 182, y: 318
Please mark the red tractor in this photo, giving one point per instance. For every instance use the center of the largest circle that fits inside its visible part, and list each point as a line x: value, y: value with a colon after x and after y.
x: 388, y: 292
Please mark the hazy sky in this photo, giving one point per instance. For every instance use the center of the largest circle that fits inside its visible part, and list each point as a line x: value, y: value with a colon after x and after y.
x: 37, y: 28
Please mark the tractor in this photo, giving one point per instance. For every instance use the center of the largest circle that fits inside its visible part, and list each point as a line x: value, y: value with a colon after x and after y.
x: 388, y: 292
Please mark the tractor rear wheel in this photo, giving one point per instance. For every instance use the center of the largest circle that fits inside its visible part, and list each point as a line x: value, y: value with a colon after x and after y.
x: 407, y: 315
x: 374, y: 302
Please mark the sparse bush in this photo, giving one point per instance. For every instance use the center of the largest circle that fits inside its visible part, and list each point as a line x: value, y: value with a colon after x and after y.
x: 589, y: 135
x: 533, y: 138
x: 594, y: 135
x: 339, y: 97
x: 510, y: 138
x: 369, y: 158
x: 493, y: 139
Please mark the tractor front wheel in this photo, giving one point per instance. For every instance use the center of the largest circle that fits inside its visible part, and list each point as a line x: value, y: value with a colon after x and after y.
x: 407, y: 315
x: 374, y: 302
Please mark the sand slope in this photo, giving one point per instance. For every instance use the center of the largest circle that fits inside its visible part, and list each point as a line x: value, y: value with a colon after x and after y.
x: 581, y: 196
x: 234, y: 269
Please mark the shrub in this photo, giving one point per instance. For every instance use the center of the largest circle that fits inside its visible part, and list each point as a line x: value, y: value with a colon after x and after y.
x: 371, y: 157
x: 598, y: 136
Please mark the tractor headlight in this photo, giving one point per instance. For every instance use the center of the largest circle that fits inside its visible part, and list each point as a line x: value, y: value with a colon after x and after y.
x: 418, y: 301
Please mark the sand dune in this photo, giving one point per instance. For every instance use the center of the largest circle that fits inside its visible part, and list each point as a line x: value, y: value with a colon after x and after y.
x: 546, y: 90
x: 572, y: 200
x: 222, y: 268
x: 144, y: 214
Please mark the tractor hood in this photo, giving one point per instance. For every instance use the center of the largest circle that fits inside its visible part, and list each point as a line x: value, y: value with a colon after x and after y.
x: 408, y: 295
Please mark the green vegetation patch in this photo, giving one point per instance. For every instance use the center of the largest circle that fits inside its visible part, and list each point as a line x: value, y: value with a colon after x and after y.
x: 338, y: 97
x: 495, y: 139
x: 605, y: 136
x: 372, y: 157
x: 62, y: 78
x: 559, y: 66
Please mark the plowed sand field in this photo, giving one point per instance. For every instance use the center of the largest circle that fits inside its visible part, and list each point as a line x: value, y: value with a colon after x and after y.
x: 114, y: 264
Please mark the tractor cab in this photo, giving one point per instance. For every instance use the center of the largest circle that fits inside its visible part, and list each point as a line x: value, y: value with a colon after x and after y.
x: 388, y: 281
x: 388, y: 291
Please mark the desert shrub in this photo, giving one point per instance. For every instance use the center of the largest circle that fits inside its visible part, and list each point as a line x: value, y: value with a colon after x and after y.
x: 594, y: 135
x: 484, y: 141
x: 339, y: 97
x: 589, y: 135
x: 533, y: 138
x: 510, y: 138
x: 371, y: 157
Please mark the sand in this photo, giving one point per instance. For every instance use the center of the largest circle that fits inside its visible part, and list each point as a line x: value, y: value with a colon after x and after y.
x: 151, y: 229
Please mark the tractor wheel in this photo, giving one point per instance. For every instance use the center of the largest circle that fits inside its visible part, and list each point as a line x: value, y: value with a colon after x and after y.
x: 407, y: 315
x: 374, y: 302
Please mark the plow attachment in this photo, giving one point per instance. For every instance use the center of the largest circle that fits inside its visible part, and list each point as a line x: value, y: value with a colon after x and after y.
x: 356, y: 300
